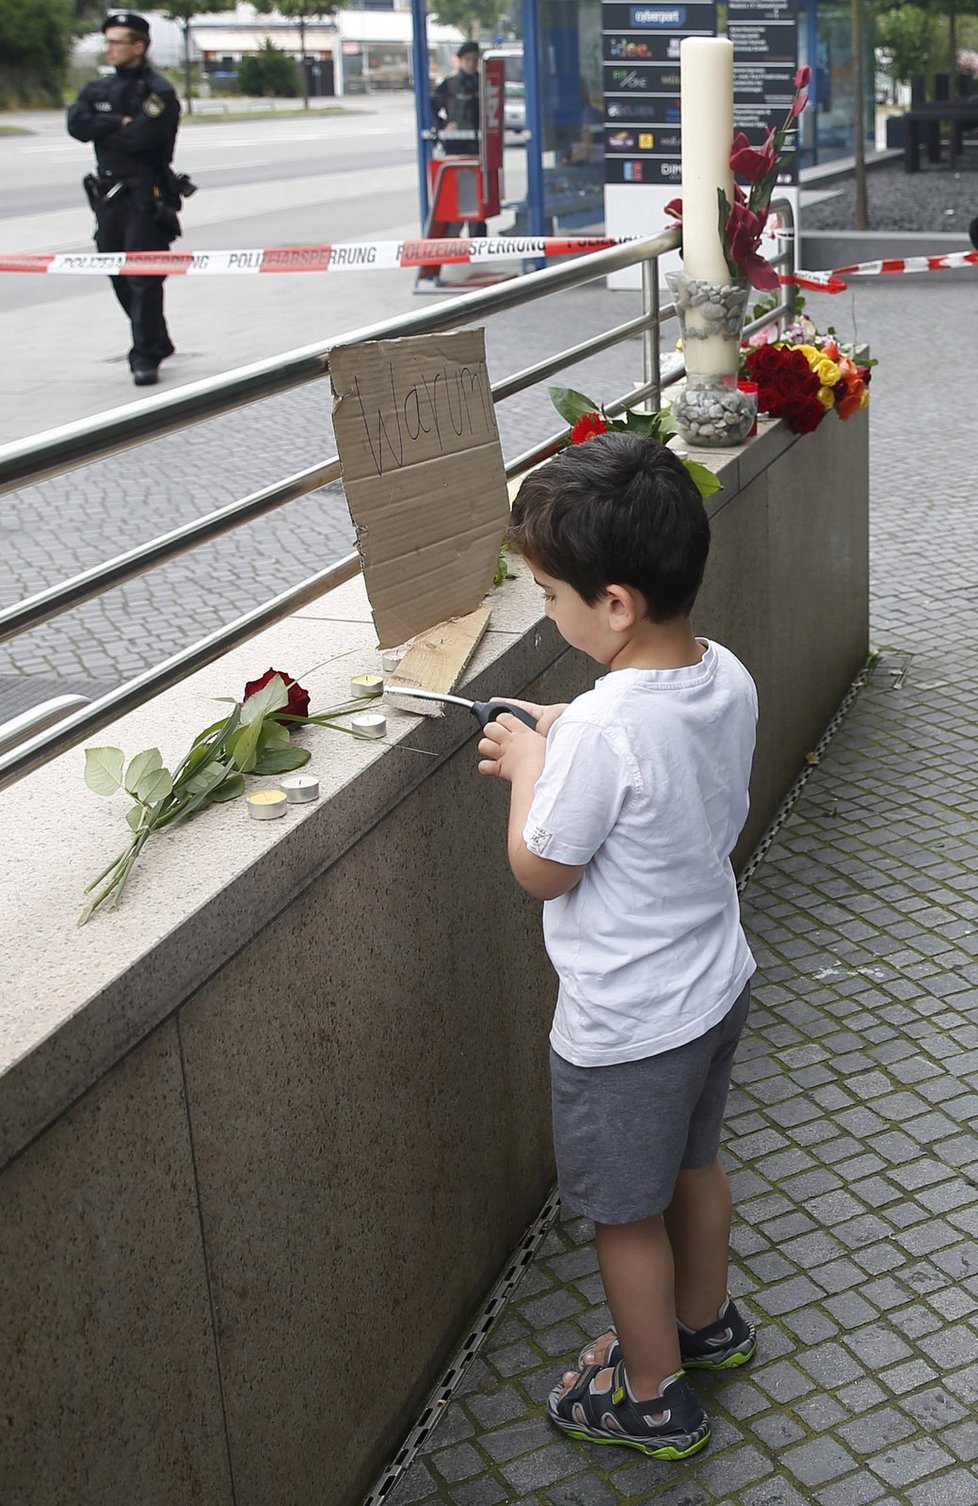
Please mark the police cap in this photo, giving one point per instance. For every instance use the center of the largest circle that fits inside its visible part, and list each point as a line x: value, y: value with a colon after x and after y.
x: 130, y: 21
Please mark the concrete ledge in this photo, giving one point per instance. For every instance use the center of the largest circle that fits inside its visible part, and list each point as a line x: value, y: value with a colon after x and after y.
x: 288, y: 1105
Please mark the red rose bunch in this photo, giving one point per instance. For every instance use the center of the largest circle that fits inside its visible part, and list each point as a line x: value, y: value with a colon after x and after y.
x: 298, y: 704
x: 787, y: 387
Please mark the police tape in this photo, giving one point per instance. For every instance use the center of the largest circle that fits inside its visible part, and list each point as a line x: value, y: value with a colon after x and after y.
x: 348, y: 256
x: 354, y: 256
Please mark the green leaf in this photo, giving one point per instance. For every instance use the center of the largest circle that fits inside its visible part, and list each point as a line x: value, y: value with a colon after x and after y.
x: 273, y: 735
x: 142, y: 764
x: 203, y: 780
x: 279, y: 760
x: 272, y: 697
x: 243, y: 747
x: 153, y: 786
x: 209, y: 731
x: 137, y: 817
x: 706, y: 481
x: 228, y: 789
x: 103, y: 769
x: 572, y: 405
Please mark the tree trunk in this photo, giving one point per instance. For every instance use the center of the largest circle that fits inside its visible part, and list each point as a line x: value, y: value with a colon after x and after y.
x: 302, y: 62
x: 859, y: 115
x: 186, y: 65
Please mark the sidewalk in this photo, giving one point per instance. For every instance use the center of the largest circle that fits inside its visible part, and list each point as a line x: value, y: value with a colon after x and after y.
x: 850, y: 1137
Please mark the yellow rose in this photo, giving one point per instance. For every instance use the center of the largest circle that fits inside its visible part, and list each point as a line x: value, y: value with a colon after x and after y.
x: 826, y: 397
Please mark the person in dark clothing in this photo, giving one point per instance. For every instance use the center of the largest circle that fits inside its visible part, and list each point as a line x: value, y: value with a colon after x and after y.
x: 131, y: 118
x: 455, y: 106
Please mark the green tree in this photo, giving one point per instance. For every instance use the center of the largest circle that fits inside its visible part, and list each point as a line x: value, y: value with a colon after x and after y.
x: 269, y: 71
x: 300, y: 11
x: 907, y: 33
x: 184, y: 12
x: 469, y: 16
x: 35, y: 44
x: 944, y: 16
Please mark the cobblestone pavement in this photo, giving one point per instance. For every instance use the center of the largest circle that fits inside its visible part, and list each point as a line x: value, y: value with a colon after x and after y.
x: 50, y: 531
x: 851, y: 1132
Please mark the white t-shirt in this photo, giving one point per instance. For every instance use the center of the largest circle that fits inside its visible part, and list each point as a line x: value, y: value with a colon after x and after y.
x: 646, y: 783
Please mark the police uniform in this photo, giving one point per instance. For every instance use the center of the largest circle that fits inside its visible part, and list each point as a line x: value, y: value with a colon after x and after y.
x: 455, y: 102
x: 133, y: 194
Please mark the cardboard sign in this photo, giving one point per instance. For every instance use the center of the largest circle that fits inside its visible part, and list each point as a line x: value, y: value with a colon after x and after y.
x: 419, y: 449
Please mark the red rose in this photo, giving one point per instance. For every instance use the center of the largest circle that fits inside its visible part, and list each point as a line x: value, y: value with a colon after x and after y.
x: 803, y: 414
x: 587, y: 427
x: 298, y: 698
x: 763, y: 362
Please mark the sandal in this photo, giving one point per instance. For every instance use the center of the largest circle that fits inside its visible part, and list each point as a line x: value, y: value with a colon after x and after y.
x: 672, y: 1426
x: 729, y: 1342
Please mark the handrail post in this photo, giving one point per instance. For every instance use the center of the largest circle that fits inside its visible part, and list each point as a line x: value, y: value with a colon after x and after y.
x: 650, y: 340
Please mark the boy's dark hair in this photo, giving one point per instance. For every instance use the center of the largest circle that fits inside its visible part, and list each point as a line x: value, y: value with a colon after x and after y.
x: 467, y: 47
x: 616, y: 510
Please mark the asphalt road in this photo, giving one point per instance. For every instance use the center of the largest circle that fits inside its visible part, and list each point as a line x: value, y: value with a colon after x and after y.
x: 263, y: 182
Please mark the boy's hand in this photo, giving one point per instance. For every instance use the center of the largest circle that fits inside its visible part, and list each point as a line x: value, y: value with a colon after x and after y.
x: 509, y: 749
x: 545, y: 715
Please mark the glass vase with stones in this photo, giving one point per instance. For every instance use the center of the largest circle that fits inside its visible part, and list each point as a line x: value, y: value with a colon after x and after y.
x: 710, y: 411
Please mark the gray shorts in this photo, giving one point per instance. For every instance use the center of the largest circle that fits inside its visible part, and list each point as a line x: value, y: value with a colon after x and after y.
x: 622, y: 1134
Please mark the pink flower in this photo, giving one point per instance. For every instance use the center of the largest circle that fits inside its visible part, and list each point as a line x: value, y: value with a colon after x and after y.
x: 798, y: 104
x: 674, y: 209
x: 803, y: 77
x: 751, y: 163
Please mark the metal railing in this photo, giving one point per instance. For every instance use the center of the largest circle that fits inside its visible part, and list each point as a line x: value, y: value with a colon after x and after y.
x: 48, y: 454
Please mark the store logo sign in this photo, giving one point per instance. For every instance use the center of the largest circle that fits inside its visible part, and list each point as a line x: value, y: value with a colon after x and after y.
x: 658, y: 15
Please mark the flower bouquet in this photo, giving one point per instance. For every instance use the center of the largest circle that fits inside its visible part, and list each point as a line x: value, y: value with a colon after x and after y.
x: 255, y: 738
x: 802, y: 382
x: 587, y: 418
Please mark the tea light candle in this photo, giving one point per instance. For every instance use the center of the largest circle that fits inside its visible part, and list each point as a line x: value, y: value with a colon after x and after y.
x: 391, y: 658
x: 366, y: 685
x: 266, y: 805
x: 369, y: 724
x: 299, y: 788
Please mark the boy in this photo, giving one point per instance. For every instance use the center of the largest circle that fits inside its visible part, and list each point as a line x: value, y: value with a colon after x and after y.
x: 624, y: 808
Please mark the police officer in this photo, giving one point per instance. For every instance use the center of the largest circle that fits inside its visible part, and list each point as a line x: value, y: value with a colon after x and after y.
x: 455, y: 106
x: 131, y: 118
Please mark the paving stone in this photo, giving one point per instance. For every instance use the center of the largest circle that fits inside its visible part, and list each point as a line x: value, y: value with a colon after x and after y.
x: 784, y: 1296
x: 818, y: 1462
x: 482, y: 1492
x: 773, y: 1493
x: 955, y: 1489
x: 459, y: 1462
x: 506, y: 1443
x: 857, y: 1490
x: 909, y: 1462
x: 514, y: 1359
x: 867, y: 1435
x: 415, y: 1484
x: 545, y: 1465
x: 782, y: 1382
x: 495, y: 1407
x: 584, y: 1490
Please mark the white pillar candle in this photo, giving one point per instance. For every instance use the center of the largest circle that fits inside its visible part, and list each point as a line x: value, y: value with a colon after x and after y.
x: 706, y: 87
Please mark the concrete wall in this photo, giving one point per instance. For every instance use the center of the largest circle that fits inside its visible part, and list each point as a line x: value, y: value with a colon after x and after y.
x: 273, y: 1127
